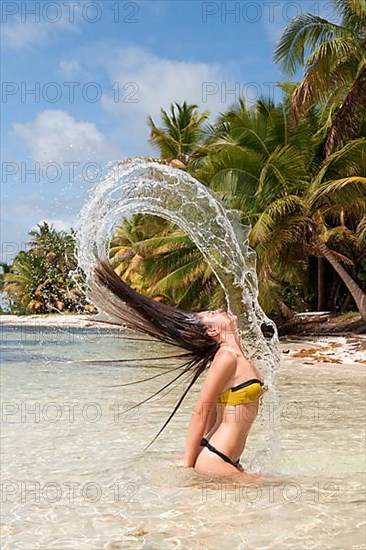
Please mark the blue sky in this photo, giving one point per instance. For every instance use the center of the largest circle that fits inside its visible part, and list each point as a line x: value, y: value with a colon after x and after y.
x: 98, y: 69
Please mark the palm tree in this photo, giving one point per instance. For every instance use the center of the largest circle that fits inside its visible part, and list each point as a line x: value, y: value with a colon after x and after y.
x: 40, y: 281
x: 23, y: 281
x: 334, y: 60
x: 181, y: 133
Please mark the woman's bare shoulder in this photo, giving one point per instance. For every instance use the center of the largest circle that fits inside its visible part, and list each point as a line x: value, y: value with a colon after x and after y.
x: 227, y: 355
x: 230, y: 349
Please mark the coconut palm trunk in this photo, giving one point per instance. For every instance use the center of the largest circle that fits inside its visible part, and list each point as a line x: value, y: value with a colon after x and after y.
x: 321, y: 284
x: 348, y: 118
x: 357, y: 293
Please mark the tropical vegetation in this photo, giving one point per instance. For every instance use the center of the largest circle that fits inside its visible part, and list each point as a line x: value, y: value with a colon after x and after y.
x: 45, y: 278
x: 292, y: 196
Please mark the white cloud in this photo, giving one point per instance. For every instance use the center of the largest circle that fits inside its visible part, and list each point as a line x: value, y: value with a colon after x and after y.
x: 70, y: 68
x: 23, y: 29
x: 56, y: 136
x: 147, y: 82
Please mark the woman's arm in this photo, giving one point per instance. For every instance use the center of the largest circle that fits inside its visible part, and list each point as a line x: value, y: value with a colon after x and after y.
x: 211, y: 421
x: 221, y: 370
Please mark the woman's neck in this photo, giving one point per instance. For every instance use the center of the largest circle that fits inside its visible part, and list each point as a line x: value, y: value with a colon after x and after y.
x: 232, y: 341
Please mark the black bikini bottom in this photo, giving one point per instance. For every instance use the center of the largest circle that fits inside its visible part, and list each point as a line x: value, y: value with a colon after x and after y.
x: 205, y: 443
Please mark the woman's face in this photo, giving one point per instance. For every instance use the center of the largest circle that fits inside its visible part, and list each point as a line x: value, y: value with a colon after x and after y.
x: 219, y: 321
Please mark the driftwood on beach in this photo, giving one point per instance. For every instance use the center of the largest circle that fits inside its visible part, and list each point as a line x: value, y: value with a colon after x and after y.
x: 319, y: 324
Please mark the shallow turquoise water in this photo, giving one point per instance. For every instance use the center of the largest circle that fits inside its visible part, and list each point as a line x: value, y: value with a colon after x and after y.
x: 75, y: 473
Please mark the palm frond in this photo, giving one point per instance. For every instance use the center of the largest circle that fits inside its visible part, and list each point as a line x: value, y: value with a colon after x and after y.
x: 278, y: 210
x: 304, y: 32
x: 321, y: 78
x: 345, y: 193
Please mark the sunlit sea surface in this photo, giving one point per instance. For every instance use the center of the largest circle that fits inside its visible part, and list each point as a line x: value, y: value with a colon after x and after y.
x: 76, y: 475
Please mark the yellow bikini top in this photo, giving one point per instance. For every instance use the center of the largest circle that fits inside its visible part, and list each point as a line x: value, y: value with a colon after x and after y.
x: 246, y: 392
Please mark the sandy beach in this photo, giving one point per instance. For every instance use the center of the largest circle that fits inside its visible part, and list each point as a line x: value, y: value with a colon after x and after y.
x: 324, y: 350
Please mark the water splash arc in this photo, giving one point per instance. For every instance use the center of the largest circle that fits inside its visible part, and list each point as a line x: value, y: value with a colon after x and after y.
x: 146, y: 187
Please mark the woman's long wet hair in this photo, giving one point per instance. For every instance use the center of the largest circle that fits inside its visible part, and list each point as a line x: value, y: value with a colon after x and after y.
x: 162, y: 322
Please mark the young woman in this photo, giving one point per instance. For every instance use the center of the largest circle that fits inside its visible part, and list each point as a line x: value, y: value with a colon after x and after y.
x: 227, y: 404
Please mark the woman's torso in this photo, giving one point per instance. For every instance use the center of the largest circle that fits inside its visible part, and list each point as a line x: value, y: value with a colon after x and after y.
x: 233, y: 421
